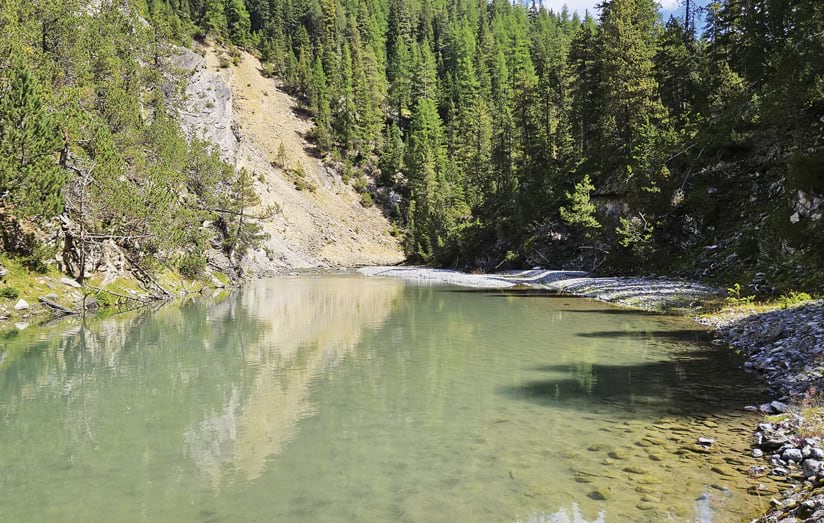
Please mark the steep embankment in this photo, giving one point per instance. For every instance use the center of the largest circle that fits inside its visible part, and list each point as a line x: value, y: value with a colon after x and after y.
x: 248, y: 117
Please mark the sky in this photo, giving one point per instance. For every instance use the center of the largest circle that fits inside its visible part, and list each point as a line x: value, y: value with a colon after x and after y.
x: 668, y: 7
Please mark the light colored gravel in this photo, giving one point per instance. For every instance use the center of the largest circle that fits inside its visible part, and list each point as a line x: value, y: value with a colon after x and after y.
x: 641, y: 293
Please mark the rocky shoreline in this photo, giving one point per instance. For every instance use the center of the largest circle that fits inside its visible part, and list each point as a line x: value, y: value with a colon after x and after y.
x: 785, y: 345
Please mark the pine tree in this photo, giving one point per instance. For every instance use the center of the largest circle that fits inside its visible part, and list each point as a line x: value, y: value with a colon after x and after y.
x: 581, y: 211
x: 238, y: 22
x: 320, y: 108
x: 634, y: 132
x: 214, y: 17
x: 425, y: 162
x: 30, y: 142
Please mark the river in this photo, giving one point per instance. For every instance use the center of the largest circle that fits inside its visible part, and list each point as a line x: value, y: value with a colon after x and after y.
x: 345, y: 398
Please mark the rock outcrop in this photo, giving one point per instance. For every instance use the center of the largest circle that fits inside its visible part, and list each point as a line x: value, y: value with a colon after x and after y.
x: 319, y: 222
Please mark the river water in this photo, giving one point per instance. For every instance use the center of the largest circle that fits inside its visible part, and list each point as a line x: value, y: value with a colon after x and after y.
x: 343, y: 398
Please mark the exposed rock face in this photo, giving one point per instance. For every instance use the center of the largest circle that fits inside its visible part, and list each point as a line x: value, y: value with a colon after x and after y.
x: 248, y: 117
x: 207, y: 109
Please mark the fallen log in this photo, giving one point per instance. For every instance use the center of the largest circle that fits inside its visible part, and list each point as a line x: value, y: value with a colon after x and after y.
x: 56, y: 307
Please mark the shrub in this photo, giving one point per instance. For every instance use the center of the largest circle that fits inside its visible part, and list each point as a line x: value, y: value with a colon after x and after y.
x: 366, y: 200
x: 793, y: 298
x: 734, y: 296
x: 9, y: 292
x: 361, y: 183
x: 268, y: 70
x: 191, y: 265
x: 36, y: 261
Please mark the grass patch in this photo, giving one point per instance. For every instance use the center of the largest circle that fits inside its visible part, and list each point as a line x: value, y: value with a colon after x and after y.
x: 811, y: 410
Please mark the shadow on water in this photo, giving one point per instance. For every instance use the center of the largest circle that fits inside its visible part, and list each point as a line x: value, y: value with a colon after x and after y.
x: 617, y: 312
x: 676, y: 335
x: 696, y: 382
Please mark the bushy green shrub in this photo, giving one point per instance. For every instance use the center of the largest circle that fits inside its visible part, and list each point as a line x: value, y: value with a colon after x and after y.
x: 191, y: 265
x: 9, y: 292
x: 36, y: 261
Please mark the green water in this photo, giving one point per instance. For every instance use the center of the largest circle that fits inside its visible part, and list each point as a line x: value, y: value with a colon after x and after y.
x: 354, y: 399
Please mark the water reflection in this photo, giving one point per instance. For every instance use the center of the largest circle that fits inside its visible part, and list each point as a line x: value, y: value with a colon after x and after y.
x: 302, y: 331
x: 351, y: 399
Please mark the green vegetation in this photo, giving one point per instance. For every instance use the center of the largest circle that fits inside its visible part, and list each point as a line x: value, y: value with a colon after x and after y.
x: 91, y: 157
x: 624, y: 141
x: 506, y: 127
x: 9, y: 292
x: 736, y: 298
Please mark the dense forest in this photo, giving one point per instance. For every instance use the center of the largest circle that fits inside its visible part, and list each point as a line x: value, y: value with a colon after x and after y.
x: 497, y: 134
x: 512, y: 134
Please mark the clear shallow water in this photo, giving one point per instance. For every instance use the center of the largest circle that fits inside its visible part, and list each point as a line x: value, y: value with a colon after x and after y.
x: 354, y: 399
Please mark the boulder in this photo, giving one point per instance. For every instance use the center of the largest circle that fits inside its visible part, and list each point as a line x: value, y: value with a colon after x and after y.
x: 70, y: 282
x: 21, y: 305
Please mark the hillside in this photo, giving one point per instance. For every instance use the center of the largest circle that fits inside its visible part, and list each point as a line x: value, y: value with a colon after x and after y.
x: 248, y: 117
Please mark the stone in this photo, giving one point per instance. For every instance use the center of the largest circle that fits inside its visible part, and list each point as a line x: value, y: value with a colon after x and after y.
x: 3, y: 271
x: 792, y: 454
x: 597, y: 495
x: 70, y: 282
x: 757, y: 453
x: 724, y: 470
x: 760, y: 489
x: 773, y: 332
x: 705, y: 441
x: 634, y: 470
x: 817, y: 453
x: 779, y: 407
x: 21, y: 305
x: 810, y: 467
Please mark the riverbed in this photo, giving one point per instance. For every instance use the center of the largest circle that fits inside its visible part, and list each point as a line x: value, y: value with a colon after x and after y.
x: 346, y: 398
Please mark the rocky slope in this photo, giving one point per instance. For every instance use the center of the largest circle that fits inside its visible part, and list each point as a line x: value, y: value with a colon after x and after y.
x: 248, y: 117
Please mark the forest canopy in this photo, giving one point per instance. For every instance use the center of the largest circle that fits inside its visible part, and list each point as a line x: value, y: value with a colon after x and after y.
x: 497, y: 132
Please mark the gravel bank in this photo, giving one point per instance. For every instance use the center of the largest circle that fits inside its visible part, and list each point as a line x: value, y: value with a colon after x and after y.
x: 787, y: 347
x: 653, y: 294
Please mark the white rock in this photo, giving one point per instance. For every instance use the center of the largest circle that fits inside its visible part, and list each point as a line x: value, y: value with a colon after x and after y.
x: 779, y: 407
x: 21, y: 305
x: 795, y: 218
x: 70, y: 282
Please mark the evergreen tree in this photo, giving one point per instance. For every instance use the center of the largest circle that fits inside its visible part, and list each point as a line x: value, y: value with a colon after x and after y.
x: 30, y: 142
x: 634, y: 131
x: 425, y: 163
